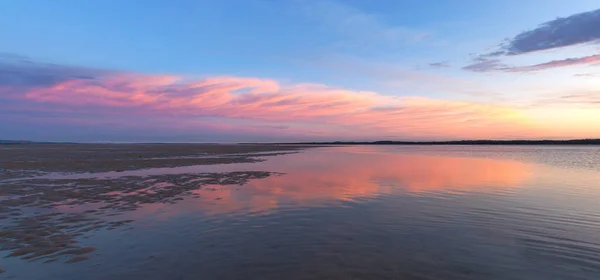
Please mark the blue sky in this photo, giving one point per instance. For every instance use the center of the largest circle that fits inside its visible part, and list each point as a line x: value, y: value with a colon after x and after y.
x: 393, y: 48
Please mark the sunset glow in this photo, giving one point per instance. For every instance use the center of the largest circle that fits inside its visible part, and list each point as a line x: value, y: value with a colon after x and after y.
x: 372, y: 78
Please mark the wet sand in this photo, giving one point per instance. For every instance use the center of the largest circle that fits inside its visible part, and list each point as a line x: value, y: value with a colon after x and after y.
x: 18, y: 161
x: 39, y: 217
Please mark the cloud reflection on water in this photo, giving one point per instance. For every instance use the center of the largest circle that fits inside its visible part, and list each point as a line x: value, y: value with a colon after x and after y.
x: 319, y: 177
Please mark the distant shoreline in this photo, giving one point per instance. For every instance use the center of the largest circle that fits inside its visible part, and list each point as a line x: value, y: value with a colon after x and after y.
x: 461, y: 142
x: 457, y: 142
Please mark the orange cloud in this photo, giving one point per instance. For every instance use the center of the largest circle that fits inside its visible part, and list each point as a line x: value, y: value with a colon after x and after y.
x: 306, y: 105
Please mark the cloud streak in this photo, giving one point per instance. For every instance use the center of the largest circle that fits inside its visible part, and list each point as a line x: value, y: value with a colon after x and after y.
x: 442, y: 64
x: 558, y: 63
x: 584, y: 99
x: 251, y: 102
x: 483, y: 65
x: 18, y: 71
x: 494, y: 65
x: 587, y: 75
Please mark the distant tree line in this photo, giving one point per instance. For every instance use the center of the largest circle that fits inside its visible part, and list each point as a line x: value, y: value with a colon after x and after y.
x: 23, y: 142
x: 465, y: 142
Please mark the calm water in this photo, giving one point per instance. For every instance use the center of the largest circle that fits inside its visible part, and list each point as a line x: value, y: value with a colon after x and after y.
x: 385, y: 212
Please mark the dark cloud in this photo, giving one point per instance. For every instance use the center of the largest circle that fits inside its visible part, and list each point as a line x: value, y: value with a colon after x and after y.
x: 561, y: 32
x: 21, y: 71
x: 442, y: 64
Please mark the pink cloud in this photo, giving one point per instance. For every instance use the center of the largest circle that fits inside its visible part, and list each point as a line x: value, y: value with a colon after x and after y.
x: 304, y: 108
x: 558, y: 63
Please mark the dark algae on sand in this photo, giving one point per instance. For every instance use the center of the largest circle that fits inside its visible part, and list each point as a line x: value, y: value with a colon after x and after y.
x: 47, y: 219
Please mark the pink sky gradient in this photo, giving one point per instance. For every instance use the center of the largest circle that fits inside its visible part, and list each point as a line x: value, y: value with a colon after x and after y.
x: 259, y: 105
x: 301, y: 72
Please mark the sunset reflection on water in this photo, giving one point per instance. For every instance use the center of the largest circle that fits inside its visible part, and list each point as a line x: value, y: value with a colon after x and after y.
x: 319, y: 177
x: 382, y: 212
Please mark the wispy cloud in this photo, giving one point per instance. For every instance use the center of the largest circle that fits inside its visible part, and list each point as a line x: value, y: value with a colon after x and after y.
x: 442, y: 64
x: 21, y: 71
x: 589, y: 75
x: 487, y: 65
x: 493, y: 65
x: 557, y: 63
x: 559, y: 33
x: 261, y: 103
x: 404, y: 80
x: 585, y: 99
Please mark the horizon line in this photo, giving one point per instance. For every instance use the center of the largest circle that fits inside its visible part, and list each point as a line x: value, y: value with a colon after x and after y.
x: 579, y: 141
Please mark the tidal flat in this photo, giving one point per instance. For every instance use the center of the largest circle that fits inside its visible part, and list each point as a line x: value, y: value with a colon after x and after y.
x: 44, y: 213
x: 198, y: 211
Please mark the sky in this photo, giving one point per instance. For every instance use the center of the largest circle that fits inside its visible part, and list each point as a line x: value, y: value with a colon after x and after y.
x: 293, y: 70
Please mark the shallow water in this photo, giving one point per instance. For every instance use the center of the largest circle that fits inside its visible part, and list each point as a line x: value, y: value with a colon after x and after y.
x: 363, y: 212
